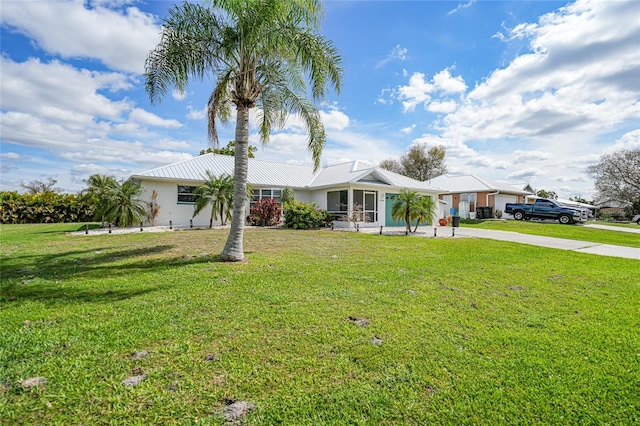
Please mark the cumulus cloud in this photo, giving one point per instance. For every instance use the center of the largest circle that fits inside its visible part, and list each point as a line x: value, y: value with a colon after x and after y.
x: 580, y: 75
x: 145, y: 117
x: 72, y: 29
x: 420, y: 91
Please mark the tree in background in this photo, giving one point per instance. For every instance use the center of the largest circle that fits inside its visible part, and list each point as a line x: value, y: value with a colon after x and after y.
x: 419, y: 163
x: 261, y: 54
x: 230, y: 149
x: 38, y: 187
x: 217, y: 192
x: 547, y: 194
x: 617, y: 178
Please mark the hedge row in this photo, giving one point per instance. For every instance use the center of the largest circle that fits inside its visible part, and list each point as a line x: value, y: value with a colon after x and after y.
x: 46, y: 207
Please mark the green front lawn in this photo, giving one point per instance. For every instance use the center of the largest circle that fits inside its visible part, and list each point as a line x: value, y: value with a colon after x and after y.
x: 555, y: 229
x: 460, y: 331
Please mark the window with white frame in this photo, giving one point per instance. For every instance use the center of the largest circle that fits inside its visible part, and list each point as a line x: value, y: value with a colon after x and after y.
x: 266, y: 193
x: 186, y: 194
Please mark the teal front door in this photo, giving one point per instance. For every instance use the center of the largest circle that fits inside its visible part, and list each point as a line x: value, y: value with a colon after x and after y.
x: 388, y: 204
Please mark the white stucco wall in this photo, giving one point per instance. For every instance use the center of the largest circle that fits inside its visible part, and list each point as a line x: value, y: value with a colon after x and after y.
x: 181, y: 213
x: 170, y: 210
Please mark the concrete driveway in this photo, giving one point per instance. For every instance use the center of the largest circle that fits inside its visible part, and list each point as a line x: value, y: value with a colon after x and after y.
x: 558, y: 243
x: 534, y: 240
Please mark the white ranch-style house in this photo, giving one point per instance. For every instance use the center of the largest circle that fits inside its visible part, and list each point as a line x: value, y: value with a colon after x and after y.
x: 334, y: 188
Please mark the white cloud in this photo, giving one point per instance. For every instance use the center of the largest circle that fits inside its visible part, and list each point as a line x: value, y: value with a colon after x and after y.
x: 446, y: 83
x: 167, y: 143
x: 442, y: 107
x: 461, y: 6
x: 526, y: 173
x: 334, y: 120
x: 196, y: 114
x: 145, y: 117
x: 60, y: 92
x: 178, y: 95
x: 120, y: 39
x: 416, y: 92
x: 630, y: 140
x: 408, y: 130
x: 526, y: 156
x: 419, y: 90
x: 579, y: 76
x: 10, y: 156
x: 397, y: 53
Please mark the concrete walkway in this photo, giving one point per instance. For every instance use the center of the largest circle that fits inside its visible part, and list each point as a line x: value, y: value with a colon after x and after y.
x: 613, y: 228
x: 515, y: 237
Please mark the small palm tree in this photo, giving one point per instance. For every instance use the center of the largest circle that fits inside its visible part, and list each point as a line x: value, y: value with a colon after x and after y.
x: 425, y: 210
x: 405, y: 207
x: 122, y: 205
x: 261, y: 54
x: 217, y: 192
x: 100, y: 189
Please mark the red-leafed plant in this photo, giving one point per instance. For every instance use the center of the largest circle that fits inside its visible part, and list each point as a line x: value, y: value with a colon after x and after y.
x: 266, y: 212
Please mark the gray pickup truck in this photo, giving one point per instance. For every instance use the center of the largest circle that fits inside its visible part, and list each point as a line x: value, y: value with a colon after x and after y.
x: 546, y: 209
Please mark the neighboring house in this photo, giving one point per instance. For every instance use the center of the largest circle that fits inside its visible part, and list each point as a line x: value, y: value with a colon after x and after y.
x: 334, y: 188
x: 468, y: 193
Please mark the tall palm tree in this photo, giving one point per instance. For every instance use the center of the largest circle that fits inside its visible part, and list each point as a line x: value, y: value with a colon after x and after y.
x: 261, y: 54
x: 405, y: 207
x: 122, y: 205
x: 217, y: 192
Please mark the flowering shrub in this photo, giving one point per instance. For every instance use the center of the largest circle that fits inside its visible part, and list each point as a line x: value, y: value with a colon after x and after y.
x: 266, y: 212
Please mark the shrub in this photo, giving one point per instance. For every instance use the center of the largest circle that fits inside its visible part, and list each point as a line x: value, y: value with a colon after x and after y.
x: 300, y: 215
x: 45, y: 207
x: 266, y: 212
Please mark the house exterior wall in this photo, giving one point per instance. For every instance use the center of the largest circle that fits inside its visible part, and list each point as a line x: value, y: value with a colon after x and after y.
x: 170, y: 210
x: 180, y: 214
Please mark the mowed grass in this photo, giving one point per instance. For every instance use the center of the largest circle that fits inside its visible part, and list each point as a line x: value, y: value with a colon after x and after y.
x: 555, y: 229
x: 472, y: 331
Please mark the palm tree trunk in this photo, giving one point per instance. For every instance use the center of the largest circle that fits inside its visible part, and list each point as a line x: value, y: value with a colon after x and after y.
x: 233, y: 250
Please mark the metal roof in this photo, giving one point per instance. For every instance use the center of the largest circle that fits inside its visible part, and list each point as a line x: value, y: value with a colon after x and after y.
x: 260, y: 173
x: 473, y: 183
x: 269, y: 173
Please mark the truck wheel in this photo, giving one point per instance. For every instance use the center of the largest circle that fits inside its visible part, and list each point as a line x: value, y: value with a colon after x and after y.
x: 565, y: 219
x: 518, y: 215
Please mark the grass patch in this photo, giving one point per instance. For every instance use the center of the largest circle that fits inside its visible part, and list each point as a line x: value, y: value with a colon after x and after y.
x: 468, y: 331
x: 552, y: 229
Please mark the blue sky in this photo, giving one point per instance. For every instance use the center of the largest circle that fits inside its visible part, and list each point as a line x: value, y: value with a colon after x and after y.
x: 516, y: 91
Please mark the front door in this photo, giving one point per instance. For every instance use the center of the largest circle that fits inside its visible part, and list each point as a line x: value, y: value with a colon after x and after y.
x: 388, y: 205
x: 370, y: 207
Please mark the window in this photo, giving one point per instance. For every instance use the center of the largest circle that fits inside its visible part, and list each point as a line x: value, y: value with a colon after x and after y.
x: 337, y: 201
x: 471, y: 198
x: 367, y: 202
x: 262, y: 194
x: 186, y: 194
